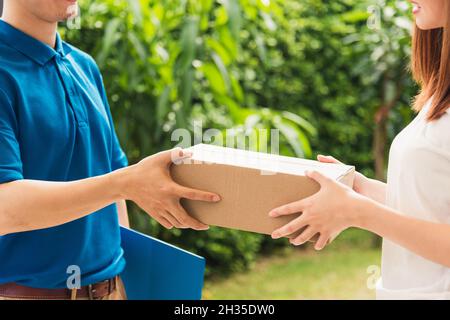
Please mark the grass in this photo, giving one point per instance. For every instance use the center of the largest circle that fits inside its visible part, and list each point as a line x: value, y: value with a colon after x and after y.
x: 338, y: 272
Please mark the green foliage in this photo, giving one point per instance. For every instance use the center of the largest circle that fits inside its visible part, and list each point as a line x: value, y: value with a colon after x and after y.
x: 325, y: 64
x: 168, y: 63
x: 312, y: 69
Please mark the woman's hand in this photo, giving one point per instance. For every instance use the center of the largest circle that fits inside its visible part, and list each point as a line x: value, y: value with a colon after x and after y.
x: 328, y: 212
x: 371, y: 188
x: 360, y: 179
x: 151, y: 187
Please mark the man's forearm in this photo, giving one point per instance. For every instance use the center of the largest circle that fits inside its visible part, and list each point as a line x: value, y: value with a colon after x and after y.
x: 30, y: 204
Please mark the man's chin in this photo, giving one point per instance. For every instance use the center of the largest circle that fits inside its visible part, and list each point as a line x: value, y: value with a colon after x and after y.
x: 71, y: 12
x: 68, y: 15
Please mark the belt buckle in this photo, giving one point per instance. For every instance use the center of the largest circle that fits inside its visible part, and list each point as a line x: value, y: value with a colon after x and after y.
x: 91, y: 292
x: 112, y: 285
x: 73, y: 293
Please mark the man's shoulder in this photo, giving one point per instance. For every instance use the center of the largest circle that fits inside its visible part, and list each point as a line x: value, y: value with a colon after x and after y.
x: 86, y: 62
x: 12, y: 67
x: 81, y: 56
x: 9, y: 57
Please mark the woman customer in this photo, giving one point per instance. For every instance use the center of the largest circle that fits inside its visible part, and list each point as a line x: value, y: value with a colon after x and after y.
x: 412, y: 210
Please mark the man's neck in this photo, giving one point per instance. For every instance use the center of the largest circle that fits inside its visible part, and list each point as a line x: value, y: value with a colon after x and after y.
x: 28, y: 23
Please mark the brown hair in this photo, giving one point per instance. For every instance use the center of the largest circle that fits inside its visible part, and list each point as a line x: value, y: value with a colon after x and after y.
x: 431, y: 67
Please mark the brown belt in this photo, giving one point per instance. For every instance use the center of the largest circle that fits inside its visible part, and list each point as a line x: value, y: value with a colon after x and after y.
x: 93, y: 291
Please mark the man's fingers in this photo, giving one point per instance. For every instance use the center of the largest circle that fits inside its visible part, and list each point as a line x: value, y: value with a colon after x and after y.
x: 327, y: 159
x: 290, y: 228
x: 306, y: 235
x: 193, y: 194
x: 322, y: 242
x: 290, y: 208
x: 173, y: 221
x: 176, y: 155
x: 162, y: 221
x: 186, y: 220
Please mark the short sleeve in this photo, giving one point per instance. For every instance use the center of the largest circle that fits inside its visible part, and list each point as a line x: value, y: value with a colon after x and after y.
x: 10, y: 160
x: 119, y: 158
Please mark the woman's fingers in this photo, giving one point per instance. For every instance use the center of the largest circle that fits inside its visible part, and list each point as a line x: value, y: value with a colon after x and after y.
x: 193, y: 194
x: 303, y: 204
x: 291, y: 208
x: 306, y: 235
x: 318, y: 177
x: 290, y: 228
x: 321, y: 243
x: 327, y: 159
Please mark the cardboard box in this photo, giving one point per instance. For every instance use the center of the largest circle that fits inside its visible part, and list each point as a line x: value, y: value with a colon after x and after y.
x: 250, y: 185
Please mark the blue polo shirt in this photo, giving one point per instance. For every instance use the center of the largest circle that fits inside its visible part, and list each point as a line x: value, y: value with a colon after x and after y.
x: 55, y: 125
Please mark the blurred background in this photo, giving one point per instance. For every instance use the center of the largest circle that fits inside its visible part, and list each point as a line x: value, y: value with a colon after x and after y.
x: 331, y: 76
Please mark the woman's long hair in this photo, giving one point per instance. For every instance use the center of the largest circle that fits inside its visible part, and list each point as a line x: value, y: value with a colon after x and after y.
x: 431, y: 67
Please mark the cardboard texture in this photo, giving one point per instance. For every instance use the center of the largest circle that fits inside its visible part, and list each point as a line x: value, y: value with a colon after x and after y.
x: 250, y: 185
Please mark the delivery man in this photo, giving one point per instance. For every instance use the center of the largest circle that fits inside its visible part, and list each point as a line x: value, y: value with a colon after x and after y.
x: 64, y: 178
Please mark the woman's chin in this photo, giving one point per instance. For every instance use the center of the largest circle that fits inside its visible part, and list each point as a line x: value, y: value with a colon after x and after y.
x: 427, y: 25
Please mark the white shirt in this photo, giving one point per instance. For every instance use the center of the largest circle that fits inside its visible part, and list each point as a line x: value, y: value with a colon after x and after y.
x: 418, y: 185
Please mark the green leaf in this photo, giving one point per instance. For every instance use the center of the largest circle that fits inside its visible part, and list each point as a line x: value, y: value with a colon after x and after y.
x: 215, y: 79
x: 219, y: 49
x: 186, y: 97
x: 237, y: 89
x: 223, y: 71
x: 162, y: 107
x: 136, y: 10
x: 110, y: 37
x: 140, y: 49
x: 234, y: 16
x: 188, y: 45
x: 292, y: 136
x: 300, y: 122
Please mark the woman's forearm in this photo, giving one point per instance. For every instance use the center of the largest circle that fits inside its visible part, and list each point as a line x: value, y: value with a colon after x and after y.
x: 371, y: 188
x: 30, y: 204
x: 427, y: 239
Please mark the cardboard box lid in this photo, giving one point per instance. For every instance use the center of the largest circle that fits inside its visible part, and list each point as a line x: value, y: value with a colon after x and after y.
x: 265, y: 162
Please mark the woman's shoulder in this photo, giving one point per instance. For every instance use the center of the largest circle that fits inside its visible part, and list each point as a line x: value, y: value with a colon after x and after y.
x: 437, y: 132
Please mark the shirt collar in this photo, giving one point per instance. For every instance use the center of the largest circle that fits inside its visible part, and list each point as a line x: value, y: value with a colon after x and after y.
x: 34, y: 49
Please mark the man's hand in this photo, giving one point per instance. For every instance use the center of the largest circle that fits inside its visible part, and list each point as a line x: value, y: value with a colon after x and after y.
x: 150, y: 186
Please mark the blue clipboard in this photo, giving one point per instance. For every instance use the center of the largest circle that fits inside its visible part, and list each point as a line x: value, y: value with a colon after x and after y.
x: 156, y: 270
